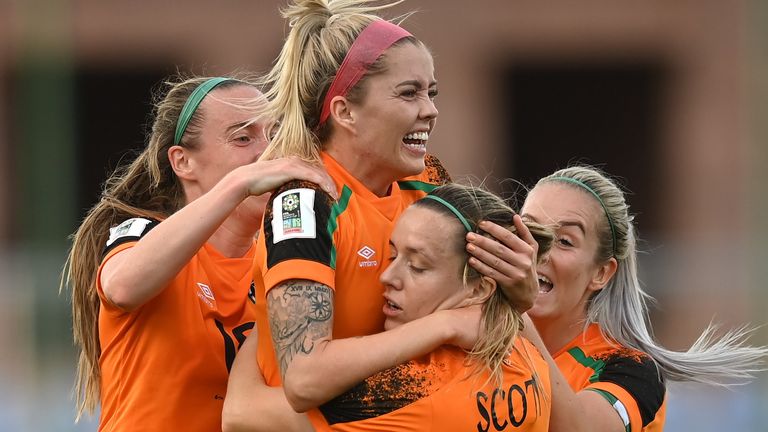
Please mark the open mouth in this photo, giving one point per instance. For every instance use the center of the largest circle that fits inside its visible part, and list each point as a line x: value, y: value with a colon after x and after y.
x: 416, y: 141
x: 392, y: 305
x: 545, y: 285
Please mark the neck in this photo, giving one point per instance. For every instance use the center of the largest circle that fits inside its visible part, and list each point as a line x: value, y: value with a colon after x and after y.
x: 556, y: 333
x: 373, y: 177
x: 235, y: 235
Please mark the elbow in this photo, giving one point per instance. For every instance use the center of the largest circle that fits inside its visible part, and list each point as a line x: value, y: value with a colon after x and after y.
x: 302, y: 392
x: 232, y: 420
x: 120, y: 295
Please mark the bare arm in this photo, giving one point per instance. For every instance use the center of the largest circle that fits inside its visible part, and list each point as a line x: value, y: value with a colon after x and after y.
x: 251, y: 405
x: 133, y: 277
x: 585, y: 411
x: 301, y: 319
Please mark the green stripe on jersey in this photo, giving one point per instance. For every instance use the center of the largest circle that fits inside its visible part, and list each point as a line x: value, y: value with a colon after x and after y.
x: 416, y: 185
x: 617, y: 405
x: 337, y: 209
x: 590, y: 362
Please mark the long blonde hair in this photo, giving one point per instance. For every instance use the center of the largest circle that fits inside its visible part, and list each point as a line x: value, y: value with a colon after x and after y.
x: 621, y: 309
x: 501, y: 321
x: 146, y: 187
x: 322, y: 32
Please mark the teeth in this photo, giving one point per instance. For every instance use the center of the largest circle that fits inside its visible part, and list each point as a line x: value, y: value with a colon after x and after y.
x: 544, y: 279
x: 423, y: 136
x: 392, y: 305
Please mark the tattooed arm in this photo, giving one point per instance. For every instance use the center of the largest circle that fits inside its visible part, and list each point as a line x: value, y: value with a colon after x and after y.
x: 301, y: 320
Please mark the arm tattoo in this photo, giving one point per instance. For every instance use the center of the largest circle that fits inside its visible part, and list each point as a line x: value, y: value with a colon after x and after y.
x: 300, y: 312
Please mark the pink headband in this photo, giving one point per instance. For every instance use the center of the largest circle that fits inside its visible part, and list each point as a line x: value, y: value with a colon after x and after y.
x: 367, y: 47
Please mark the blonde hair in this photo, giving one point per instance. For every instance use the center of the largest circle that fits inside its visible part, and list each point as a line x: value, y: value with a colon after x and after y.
x: 321, y: 33
x: 501, y: 321
x: 146, y: 187
x: 621, y: 309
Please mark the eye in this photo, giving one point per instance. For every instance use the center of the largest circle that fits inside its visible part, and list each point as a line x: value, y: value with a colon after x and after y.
x: 415, y: 269
x: 242, y: 140
x: 433, y: 93
x: 409, y: 93
x: 564, y: 241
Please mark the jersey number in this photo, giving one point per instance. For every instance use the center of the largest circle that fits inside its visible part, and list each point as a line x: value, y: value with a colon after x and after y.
x: 229, y: 345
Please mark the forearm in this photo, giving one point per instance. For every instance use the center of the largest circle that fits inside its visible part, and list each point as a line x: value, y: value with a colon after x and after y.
x: 136, y: 275
x: 352, y: 360
x: 250, y: 405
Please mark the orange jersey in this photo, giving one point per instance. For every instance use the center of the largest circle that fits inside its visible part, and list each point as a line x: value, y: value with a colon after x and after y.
x: 165, y: 365
x: 440, y: 393
x: 627, y: 378
x: 342, y: 244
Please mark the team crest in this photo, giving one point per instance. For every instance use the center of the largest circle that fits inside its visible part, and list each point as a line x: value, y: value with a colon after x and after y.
x: 294, y: 215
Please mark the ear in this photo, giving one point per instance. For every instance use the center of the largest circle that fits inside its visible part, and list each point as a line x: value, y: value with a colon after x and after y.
x: 481, y: 291
x: 180, y: 161
x: 341, y: 111
x: 603, y: 275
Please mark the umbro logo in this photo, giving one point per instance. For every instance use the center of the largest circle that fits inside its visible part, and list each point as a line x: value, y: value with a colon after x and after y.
x: 206, y: 295
x: 367, y: 253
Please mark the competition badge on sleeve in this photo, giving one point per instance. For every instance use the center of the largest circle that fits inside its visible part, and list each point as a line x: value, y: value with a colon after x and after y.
x: 291, y: 214
x: 294, y: 215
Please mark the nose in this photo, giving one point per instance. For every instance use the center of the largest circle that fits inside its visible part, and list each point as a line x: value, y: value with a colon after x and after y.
x: 428, y: 109
x: 388, y: 278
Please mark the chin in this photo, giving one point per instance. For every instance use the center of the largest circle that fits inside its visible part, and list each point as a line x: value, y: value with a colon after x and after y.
x: 412, y: 167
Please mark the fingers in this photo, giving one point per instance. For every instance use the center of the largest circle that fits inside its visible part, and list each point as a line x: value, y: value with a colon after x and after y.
x: 523, y: 232
x: 500, y: 234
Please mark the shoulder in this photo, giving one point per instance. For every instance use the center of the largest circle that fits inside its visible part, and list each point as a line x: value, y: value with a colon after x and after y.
x: 128, y: 231
x: 637, y: 374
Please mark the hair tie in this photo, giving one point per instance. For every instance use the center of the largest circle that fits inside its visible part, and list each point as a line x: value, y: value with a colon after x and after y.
x: 367, y: 47
x: 190, y: 106
x: 453, y: 210
x: 600, y: 200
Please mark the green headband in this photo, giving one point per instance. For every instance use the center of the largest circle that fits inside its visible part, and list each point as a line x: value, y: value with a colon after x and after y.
x: 453, y: 210
x: 192, y: 103
x: 602, y: 204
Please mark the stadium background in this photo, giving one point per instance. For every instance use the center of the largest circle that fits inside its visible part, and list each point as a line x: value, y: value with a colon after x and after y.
x: 670, y: 95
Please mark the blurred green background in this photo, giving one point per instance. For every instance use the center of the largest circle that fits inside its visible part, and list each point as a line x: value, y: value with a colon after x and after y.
x: 667, y: 94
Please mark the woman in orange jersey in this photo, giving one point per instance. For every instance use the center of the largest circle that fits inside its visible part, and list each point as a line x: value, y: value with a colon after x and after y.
x: 357, y: 93
x: 160, y: 299
x: 502, y: 382
x: 608, y: 374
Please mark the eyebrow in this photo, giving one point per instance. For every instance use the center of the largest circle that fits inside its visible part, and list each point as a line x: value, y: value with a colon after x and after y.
x: 237, y: 126
x: 412, y: 250
x: 565, y: 223
x: 579, y: 225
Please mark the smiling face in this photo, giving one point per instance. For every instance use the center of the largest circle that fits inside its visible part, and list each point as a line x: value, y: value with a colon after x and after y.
x: 223, y: 144
x: 389, y: 129
x: 424, y: 274
x: 567, y: 277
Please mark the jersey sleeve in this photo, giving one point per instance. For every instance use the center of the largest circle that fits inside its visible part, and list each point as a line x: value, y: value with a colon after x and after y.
x: 633, y: 385
x: 299, y: 235
x: 121, y: 237
x: 129, y: 231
